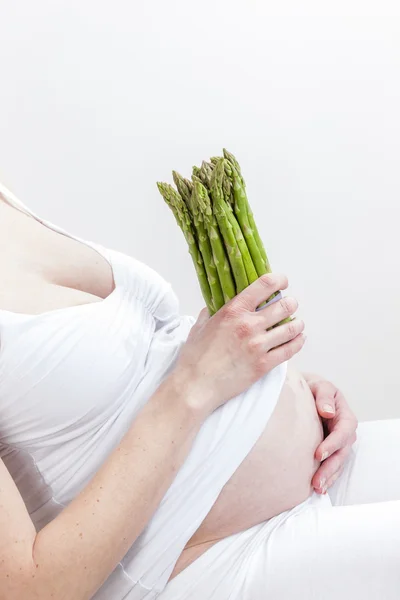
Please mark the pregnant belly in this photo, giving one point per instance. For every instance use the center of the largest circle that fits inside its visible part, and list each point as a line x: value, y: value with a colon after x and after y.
x: 275, y: 476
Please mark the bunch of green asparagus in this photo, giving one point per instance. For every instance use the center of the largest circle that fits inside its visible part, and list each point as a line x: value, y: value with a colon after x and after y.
x: 214, y: 213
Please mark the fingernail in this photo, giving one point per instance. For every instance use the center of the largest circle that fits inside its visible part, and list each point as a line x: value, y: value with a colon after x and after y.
x: 324, y: 489
x: 322, y: 483
x: 328, y: 409
x: 324, y: 455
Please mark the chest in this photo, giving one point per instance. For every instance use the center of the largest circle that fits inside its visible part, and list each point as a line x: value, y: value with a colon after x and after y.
x: 42, y: 270
x: 70, y: 372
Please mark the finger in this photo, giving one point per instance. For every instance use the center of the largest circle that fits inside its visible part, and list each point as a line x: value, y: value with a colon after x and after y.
x: 334, y: 477
x: 260, y: 290
x: 353, y: 439
x: 285, y: 352
x: 324, y: 394
x: 343, y: 409
x: 283, y: 334
x: 337, y: 439
x: 275, y: 313
x: 329, y: 467
x: 330, y: 481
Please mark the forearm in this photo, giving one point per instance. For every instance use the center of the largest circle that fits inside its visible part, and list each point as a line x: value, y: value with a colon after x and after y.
x: 76, y: 552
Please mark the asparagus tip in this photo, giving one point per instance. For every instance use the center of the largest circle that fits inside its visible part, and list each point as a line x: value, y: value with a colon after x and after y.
x: 161, y: 187
x: 195, y: 179
x: 200, y: 197
x: 195, y: 170
x: 218, y: 172
x: 176, y: 177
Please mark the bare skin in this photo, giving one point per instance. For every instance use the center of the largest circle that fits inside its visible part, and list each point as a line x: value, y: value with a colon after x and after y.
x: 42, y: 270
x: 39, y: 273
x: 275, y: 476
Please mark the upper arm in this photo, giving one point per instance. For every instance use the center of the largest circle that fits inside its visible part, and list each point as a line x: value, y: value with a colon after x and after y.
x: 17, y: 536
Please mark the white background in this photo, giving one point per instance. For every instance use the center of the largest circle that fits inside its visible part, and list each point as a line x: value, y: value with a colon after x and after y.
x: 98, y: 100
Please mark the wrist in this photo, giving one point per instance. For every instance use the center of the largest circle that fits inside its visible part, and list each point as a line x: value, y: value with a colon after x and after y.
x: 187, y: 393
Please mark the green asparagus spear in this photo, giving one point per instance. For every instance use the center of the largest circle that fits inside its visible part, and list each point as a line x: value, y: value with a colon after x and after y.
x: 258, y: 239
x: 202, y: 174
x: 251, y: 272
x: 196, y: 172
x: 183, y: 218
x: 221, y: 261
x: 184, y: 186
x: 227, y: 185
x: 232, y: 160
x: 205, y: 173
x: 250, y: 217
x: 205, y: 249
x: 245, y: 217
x: 195, y: 178
x: 201, y: 178
x: 228, y: 189
x: 220, y: 211
x: 241, y: 213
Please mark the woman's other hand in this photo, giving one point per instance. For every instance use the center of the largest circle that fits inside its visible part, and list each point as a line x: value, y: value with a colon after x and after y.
x: 225, y: 354
x: 340, y: 425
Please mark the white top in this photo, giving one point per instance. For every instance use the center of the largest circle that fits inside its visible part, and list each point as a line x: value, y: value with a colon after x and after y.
x: 72, y: 381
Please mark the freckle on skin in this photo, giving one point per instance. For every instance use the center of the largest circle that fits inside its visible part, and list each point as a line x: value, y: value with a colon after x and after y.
x: 97, y: 500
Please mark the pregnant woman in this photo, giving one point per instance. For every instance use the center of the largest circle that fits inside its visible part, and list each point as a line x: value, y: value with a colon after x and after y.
x: 145, y: 456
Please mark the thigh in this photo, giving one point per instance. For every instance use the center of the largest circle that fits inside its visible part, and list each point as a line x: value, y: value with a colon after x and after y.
x: 337, y: 553
x: 372, y: 473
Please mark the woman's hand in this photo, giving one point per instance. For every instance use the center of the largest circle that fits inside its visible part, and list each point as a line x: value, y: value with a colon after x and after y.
x: 227, y: 353
x: 340, y: 424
